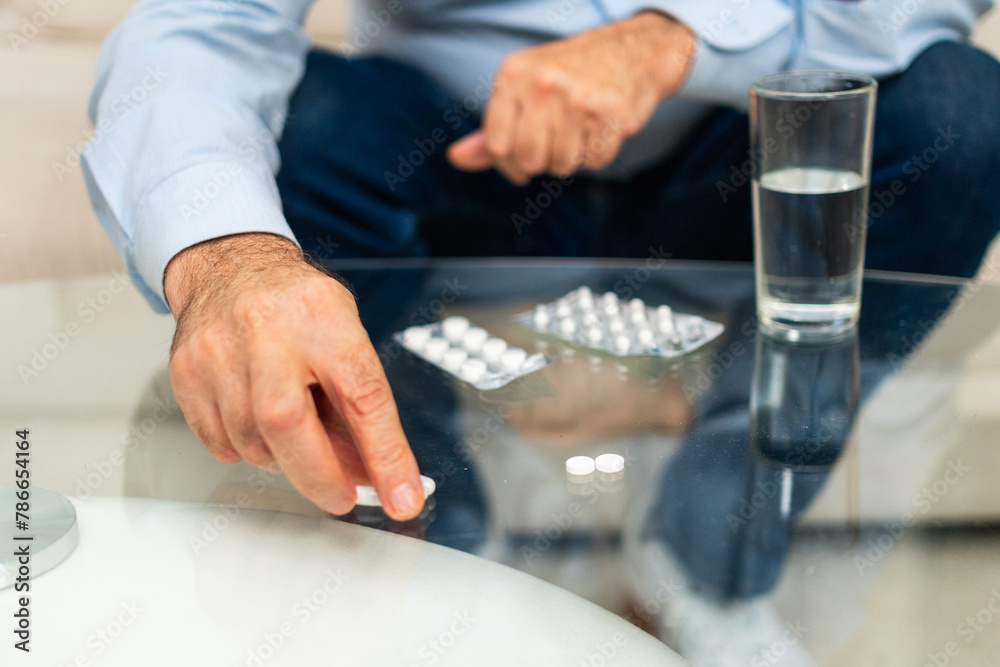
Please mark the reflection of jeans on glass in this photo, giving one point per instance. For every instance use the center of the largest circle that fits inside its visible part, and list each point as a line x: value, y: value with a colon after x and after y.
x: 729, y: 499
x: 353, y: 122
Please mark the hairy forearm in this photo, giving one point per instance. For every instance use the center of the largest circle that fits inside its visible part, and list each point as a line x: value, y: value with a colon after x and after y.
x: 197, y: 272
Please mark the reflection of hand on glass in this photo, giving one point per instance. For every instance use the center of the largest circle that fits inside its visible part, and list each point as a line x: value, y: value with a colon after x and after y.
x: 596, y: 401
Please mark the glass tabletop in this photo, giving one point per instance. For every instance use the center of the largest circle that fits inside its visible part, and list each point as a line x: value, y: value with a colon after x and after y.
x: 781, y: 504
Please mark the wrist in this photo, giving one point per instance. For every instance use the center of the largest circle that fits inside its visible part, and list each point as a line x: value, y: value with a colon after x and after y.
x: 673, y: 47
x: 220, y: 263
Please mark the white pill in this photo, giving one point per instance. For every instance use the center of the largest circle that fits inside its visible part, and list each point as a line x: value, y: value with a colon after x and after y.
x: 492, y: 349
x: 637, y: 317
x: 367, y: 497
x: 453, y: 358
x: 580, y: 465
x: 474, y: 338
x: 610, y: 463
x: 666, y: 325
x: 512, y: 360
x: 472, y: 370
x: 616, y: 325
x: 585, y: 298
x: 664, y: 312
x: 454, y: 327
x: 541, y: 316
x: 637, y: 305
x: 622, y: 343
x: 435, y: 349
x: 591, y: 319
x: 594, y: 335
x: 567, y: 326
x: 416, y: 337
x: 609, y: 303
x: 645, y: 336
x: 563, y: 309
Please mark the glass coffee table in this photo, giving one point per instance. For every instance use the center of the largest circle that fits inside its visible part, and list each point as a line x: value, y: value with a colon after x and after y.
x: 781, y: 504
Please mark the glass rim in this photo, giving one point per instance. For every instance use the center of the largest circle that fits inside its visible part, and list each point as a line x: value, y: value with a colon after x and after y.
x: 759, y: 85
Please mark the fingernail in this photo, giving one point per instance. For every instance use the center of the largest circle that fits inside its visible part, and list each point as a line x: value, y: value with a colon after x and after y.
x: 404, y: 499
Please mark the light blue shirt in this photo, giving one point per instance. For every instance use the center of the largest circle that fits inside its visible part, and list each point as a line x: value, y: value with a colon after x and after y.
x: 191, y: 95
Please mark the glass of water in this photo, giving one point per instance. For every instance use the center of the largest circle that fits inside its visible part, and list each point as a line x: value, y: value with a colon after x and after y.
x: 811, y: 144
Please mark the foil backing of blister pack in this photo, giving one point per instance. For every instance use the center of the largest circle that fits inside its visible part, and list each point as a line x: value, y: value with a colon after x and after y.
x: 469, y: 353
x: 621, y: 328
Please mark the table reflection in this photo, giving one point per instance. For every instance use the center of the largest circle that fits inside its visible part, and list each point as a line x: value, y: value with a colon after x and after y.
x: 725, y: 449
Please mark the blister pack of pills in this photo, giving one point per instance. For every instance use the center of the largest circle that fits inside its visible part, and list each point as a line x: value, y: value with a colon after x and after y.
x: 622, y: 328
x: 469, y: 352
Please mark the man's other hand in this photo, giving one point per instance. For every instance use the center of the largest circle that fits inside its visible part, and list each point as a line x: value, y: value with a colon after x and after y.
x: 270, y: 364
x: 571, y: 103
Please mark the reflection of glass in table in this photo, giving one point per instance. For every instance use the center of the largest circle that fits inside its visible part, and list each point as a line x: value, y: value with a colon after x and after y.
x: 768, y: 487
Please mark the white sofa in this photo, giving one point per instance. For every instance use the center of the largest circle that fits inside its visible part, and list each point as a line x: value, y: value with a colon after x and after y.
x: 47, y: 228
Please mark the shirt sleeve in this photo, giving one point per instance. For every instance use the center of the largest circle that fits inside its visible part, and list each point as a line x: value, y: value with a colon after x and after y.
x: 188, y: 106
x: 740, y: 40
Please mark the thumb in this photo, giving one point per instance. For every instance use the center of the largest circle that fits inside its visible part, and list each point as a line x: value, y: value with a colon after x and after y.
x: 469, y: 153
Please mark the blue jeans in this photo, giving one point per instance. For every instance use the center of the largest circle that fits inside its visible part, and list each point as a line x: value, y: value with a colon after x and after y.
x: 364, y: 175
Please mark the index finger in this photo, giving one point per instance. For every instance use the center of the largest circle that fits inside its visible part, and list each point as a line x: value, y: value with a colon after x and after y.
x: 356, y: 384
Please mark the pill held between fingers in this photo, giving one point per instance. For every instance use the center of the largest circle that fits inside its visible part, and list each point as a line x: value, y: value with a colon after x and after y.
x: 415, y: 338
x: 368, y: 497
x: 580, y: 465
x: 512, y: 360
x: 610, y: 463
x: 453, y: 358
x: 435, y: 349
x: 472, y: 370
x: 454, y: 327
x: 492, y: 349
x: 474, y: 338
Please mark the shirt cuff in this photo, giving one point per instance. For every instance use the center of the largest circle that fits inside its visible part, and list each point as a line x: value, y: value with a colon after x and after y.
x: 737, y: 41
x: 198, y: 204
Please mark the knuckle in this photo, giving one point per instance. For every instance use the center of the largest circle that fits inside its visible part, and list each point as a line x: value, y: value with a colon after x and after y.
x: 368, y: 397
x: 280, y: 416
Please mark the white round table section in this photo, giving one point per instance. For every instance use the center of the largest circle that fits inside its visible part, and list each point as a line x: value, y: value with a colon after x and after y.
x: 166, y: 583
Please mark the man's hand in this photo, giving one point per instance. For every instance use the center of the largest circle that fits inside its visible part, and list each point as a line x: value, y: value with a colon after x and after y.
x: 270, y: 364
x: 571, y: 103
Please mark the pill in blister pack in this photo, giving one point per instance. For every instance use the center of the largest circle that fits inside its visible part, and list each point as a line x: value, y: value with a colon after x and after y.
x: 469, y: 352
x: 622, y: 328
